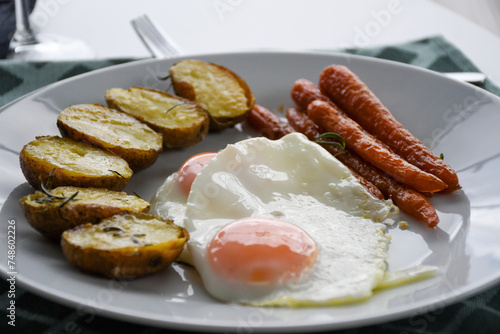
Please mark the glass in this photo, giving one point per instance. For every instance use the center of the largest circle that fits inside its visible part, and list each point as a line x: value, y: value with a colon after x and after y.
x: 26, y: 45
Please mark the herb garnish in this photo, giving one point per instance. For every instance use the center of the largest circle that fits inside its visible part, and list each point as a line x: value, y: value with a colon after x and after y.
x: 179, y: 104
x: 328, y: 135
x: 51, y: 198
x: 168, y: 77
x: 137, y: 241
x: 119, y: 231
x: 114, y: 171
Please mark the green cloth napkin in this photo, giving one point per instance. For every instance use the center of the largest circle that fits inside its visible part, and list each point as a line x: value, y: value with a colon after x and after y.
x: 34, y: 314
x: 434, y: 53
x: 18, y: 78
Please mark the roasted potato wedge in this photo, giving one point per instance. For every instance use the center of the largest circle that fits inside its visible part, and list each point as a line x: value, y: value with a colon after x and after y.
x: 124, y: 245
x: 224, y: 94
x: 68, y: 162
x: 51, y: 212
x: 113, y: 130
x: 181, y: 123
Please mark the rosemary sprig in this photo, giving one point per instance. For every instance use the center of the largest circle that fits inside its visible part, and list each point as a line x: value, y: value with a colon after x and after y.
x: 137, y: 241
x: 168, y: 77
x: 51, y: 198
x: 48, y: 185
x: 48, y: 194
x: 328, y: 135
x: 118, y: 231
x: 112, y: 229
x: 60, y: 206
x: 178, y: 105
x: 114, y: 171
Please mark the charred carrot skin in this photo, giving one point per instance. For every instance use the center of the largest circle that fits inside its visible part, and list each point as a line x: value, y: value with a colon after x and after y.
x: 370, y: 187
x: 272, y: 127
x: 375, y: 182
x: 268, y: 124
x: 352, y: 95
x: 372, y: 150
x: 304, y: 92
x: 409, y: 201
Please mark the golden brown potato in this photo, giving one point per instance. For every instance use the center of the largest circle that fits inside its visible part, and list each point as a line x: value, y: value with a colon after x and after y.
x: 225, y: 95
x: 124, y: 245
x: 51, y: 212
x: 181, y: 122
x: 113, y: 130
x: 68, y: 162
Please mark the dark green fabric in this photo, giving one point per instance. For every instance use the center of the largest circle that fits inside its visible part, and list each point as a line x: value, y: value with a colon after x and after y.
x: 433, y: 53
x: 34, y: 314
x: 18, y: 78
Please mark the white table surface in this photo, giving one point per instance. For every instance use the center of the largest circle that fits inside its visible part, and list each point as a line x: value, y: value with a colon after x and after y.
x: 205, y: 26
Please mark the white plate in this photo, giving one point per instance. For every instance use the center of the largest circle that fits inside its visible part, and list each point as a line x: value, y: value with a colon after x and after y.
x: 456, y: 119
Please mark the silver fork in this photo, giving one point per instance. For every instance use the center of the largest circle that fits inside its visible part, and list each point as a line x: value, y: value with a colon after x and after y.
x: 153, y: 38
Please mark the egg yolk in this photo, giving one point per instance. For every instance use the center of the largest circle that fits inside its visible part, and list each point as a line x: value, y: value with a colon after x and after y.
x: 260, y: 250
x: 191, y: 168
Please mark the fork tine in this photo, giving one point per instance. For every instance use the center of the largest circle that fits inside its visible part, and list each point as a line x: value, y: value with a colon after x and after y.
x: 153, y: 38
x: 160, y: 36
x: 145, y: 40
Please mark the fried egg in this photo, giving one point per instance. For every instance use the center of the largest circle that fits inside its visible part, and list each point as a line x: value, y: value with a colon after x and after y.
x: 170, y: 199
x: 281, y: 223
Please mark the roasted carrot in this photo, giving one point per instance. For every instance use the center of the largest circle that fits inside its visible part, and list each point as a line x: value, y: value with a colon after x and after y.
x: 408, y: 200
x: 372, y: 150
x: 369, y: 186
x: 268, y: 124
x: 304, y: 92
x: 352, y: 95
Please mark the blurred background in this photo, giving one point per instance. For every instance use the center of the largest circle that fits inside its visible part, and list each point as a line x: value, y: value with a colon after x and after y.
x: 485, y: 13
x: 223, y: 25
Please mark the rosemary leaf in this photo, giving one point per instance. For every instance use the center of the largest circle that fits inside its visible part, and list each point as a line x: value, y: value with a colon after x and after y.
x: 179, y: 104
x: 59, y: 208
x: 329, y: 135
x: 112, y: 229
x: 137, y: 241
x: 47, y: 193
x: 114, y: 171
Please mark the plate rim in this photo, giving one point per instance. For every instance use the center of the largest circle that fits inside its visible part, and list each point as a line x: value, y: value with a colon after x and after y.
x: 183, y: 326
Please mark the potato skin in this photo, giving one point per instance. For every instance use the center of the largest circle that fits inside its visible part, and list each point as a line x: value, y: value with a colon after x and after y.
x: 129, y: 262
x: 174, y: 136
x: 116, y: 264
x: 51, y: 218
x: 137, y: 157
x: 187, y: 90
x: 37, y: 169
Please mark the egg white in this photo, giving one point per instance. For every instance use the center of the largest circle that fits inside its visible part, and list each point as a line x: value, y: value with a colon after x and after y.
x: 170, y: 202
x: 295, y: 180
x: 298, y: 181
